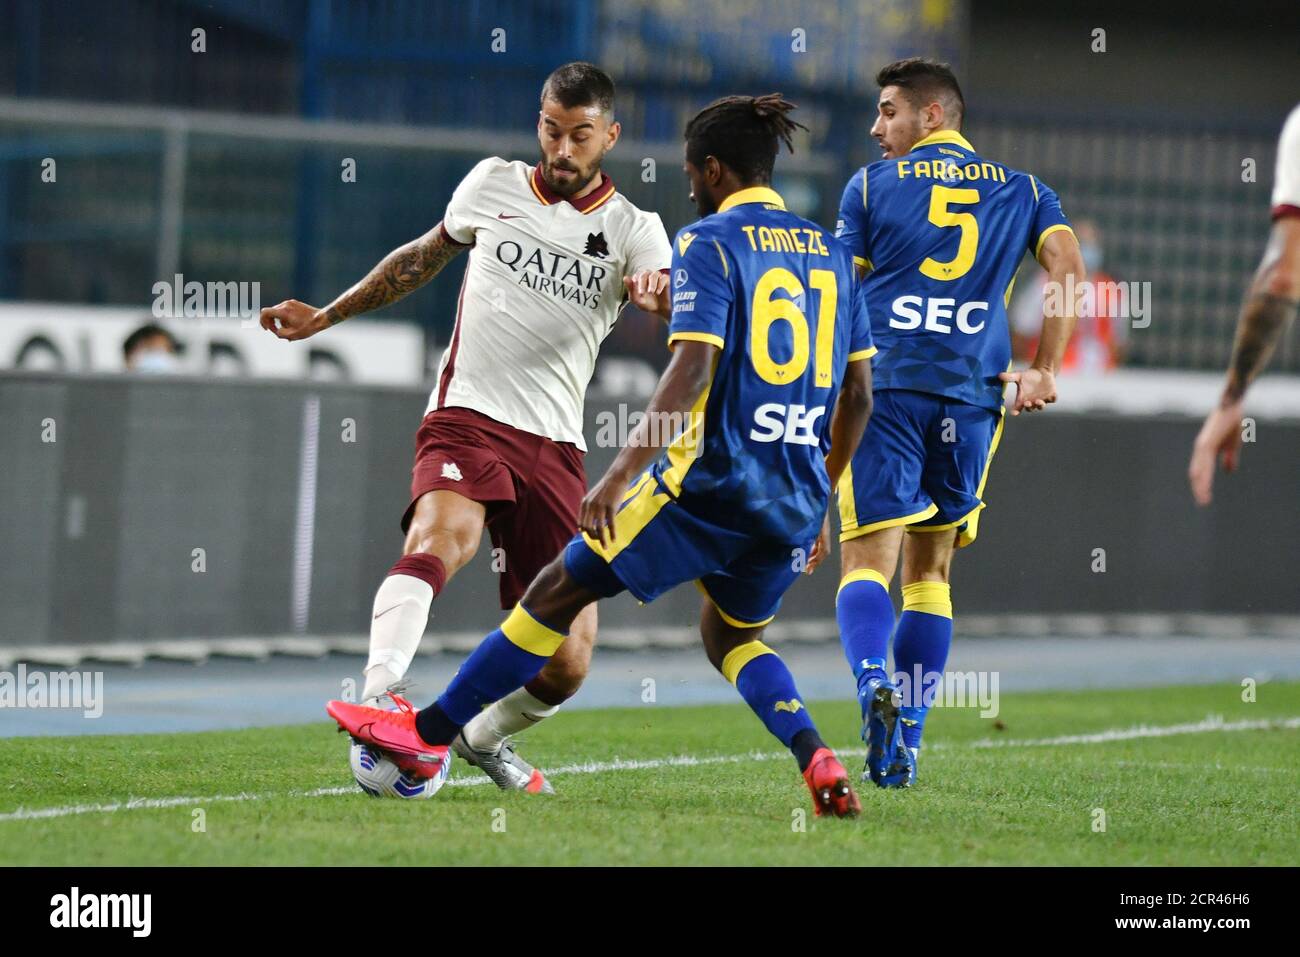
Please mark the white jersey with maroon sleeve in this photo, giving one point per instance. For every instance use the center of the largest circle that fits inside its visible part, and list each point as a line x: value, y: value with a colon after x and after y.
x: 1286, y: 185
x: 542, y: 289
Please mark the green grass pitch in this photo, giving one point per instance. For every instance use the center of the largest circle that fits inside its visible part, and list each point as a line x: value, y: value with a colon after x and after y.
x: 1198, y: 797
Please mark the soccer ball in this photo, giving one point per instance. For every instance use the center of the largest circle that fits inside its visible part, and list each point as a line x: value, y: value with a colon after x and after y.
x: 378, y: 776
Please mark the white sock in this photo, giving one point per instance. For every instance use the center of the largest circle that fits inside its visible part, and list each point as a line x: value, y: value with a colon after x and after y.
x: 400, y: 612
x: 515, y: 712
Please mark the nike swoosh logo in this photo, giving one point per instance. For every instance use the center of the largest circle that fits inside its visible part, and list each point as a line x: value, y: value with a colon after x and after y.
x: 373, y: 735
x: 386, y: 611
x: 504, y: 216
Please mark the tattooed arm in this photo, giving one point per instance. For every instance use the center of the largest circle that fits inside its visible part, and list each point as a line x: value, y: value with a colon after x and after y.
x: 402, y: 271
x: 1270, y: 307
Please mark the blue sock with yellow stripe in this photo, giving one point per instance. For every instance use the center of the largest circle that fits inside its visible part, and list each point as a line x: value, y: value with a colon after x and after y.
x: 921, y: 644
x: 507, y: 659
x: 866, y: 617
x: 768, y: 688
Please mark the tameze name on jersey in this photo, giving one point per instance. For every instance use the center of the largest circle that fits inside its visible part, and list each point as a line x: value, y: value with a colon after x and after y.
x: 909, y: 312
x: 776, y: 239
x: 555, y: 273
x: 794, y: 423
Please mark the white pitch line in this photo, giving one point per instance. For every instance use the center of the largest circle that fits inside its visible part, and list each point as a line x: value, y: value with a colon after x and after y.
x: 132, y: 804
x: 1198, y: 768
x: 1210, y: 724
x: 649, y: 764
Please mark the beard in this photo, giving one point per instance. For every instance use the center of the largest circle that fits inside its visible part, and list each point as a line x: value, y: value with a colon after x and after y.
x: 575, y: 184
x: 908, y: 140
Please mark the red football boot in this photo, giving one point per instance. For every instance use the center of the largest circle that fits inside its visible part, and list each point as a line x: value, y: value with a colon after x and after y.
x: 830, y: 787
x: 416, y: 767
x: 393, y: 732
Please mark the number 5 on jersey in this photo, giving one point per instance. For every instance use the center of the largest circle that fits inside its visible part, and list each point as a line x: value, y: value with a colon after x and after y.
x: 941, y: 198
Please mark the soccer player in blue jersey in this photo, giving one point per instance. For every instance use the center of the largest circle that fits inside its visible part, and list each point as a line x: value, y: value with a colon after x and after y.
x: 939, y: 232
x: 770, y: 383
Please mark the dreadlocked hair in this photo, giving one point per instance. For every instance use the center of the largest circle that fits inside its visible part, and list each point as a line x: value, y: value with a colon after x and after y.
x: 744, y: 133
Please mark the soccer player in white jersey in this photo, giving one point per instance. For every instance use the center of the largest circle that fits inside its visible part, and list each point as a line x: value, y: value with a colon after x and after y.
x: 1270, y: 306
x: 553, y: 251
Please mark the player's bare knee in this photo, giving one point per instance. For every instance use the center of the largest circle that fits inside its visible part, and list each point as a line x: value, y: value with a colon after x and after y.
x: 582, y: 635
x: 565, y: 672
x: 447, y: 525
x: 725, y: 644
x: 555, y: 598
x: 716, y: 649
x: 877, y: 551
x: 720, y: 638
x: 927, y: 557
x: 925, y: 572
x: 454, y: 546
x: 453, y: 535
x: 545, y: 587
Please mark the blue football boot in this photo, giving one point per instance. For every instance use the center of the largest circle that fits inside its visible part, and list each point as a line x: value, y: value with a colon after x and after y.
x: 890, y: 763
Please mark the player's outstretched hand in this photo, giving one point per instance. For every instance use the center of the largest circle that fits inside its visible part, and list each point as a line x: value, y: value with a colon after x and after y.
x: 600, y: 505
x: 297, y: 320
x: 1219, y: 439
x: 821, y: 548
x: 1035, y: 389
x: 648, y: 291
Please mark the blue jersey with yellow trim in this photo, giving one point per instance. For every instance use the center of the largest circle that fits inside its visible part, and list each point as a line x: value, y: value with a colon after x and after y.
x: 776, y: 294
x: 942, y: 231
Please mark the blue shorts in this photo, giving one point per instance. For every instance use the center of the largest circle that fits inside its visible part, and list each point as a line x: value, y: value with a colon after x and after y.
x: 922, y: 462
x: 660, y: 544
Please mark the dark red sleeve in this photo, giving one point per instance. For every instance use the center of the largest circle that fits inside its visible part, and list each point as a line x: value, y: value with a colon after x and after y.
x: 448, y: 237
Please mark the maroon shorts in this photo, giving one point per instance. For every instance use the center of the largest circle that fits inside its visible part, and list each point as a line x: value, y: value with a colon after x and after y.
x: 531, y: 485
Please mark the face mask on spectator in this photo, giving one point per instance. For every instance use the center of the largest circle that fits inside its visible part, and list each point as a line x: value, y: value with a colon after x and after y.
x: 156, y: 362
x: 1092, y: 256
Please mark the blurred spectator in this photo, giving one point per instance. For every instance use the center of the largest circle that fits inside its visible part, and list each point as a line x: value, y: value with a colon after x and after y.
x: 225, y: 361
x: 151, y: 349
x: 626, y: 377
x: 638, y: 335
x: 1100, y: 337
x: 39, y: 354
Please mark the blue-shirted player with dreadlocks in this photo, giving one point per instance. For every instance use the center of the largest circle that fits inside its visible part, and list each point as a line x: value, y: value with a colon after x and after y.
x: 770, y: 380
x: 939, y: 232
